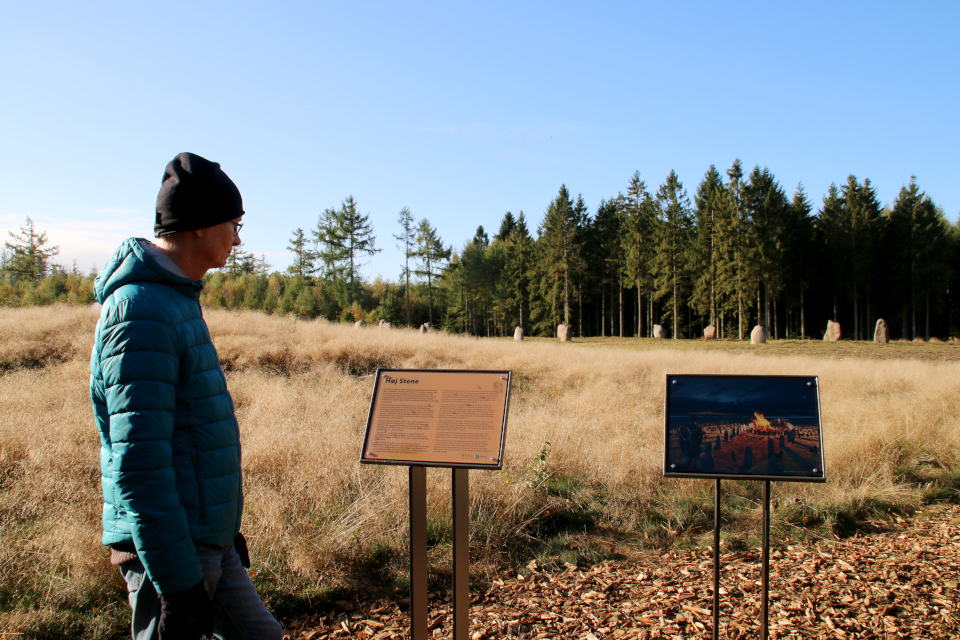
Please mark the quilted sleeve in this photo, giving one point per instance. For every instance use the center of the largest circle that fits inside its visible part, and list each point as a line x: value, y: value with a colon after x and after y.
x: 140, y: 362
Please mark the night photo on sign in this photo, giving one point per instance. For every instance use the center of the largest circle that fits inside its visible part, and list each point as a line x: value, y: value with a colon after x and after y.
x: 746, y: 426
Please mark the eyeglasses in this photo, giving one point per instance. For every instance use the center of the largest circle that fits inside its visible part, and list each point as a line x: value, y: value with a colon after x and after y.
x: 237, y: 227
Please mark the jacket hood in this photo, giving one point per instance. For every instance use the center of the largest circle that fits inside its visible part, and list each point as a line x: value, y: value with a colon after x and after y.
x: 131, y: 264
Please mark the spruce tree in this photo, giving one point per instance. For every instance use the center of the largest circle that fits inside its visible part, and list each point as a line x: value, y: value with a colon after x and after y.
x: 431, y: 256
x: 709, y: 199
x: 672, y: 247
x: 406, y: 242
x: 639, y: 212
x: 560, y: 238
x: 924, y: 259
x: 26, y: 258
x: 304, y: 260
x: 347, y: 237
x: 800, y: 256
x: 766, y: 205
x: 734, y: 232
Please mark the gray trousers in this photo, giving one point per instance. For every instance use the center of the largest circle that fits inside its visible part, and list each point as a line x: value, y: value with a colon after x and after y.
x: 238, y: 611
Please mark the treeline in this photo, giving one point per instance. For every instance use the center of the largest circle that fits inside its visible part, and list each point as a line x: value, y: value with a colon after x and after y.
x: 28, y: 276
x: 738, y: 253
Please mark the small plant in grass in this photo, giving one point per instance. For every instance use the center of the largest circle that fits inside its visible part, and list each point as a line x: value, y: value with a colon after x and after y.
x: 537, y: 471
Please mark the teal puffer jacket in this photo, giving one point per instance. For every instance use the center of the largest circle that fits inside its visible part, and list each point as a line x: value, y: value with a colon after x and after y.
x: 170, y: 444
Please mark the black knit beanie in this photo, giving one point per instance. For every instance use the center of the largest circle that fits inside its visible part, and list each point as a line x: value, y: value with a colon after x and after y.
x: 195, y: 194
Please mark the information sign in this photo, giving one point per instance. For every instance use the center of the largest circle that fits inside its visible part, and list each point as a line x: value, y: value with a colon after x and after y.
x: 743, y: 426
x: 438, y: 418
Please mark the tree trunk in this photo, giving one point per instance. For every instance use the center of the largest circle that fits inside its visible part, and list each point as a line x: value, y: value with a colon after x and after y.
x: 580, y: 319
x: 803, y: 319
x: 603, y: 311
x: 776, y: 332
x: 766, y: 306
x: 740, y: 313
x: 856, y: 316
x: 639, y: 310
x: 676, y: 320
x: 620, y: 301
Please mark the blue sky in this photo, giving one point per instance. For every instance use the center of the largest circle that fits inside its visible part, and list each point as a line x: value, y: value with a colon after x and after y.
x: 460, y: 111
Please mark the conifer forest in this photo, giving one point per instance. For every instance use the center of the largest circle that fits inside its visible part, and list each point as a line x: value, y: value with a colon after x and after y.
x: 735, y: 251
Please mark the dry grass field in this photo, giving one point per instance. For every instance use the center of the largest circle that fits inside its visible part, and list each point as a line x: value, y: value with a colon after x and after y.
x: 321, y: 525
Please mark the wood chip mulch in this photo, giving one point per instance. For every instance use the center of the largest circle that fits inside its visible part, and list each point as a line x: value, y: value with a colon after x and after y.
x: 900, y: 582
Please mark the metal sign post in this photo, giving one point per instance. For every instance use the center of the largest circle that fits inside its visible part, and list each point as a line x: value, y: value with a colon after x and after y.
x: 716, y: 560
x: 461, y: 554
x: 418, y: 553
x: 438, y: 418
x: 765, y: 569
x: 746, y: 427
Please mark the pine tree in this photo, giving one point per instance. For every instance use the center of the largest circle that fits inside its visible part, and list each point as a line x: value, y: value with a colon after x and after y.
x: 672, y: 246
x: 734, y: 231
x: 431, y: 255
x: 520, y: 252
x: 560, y: 237
x: 833, y: 225
x: 406, y: 242
x: 26, y: 258
x: 800, y: 257
x: 304, y: 260
x: 710, y: 198
x: 346, y: 237
x: 923, y: 261
x: 507, y: 226
x: 766, y: 205
x: 639, y: 211
x: 604, y: 249
x: 866, y: 231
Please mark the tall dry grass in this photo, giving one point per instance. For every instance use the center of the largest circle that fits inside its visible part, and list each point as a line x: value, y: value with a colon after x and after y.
x: 317, y: 520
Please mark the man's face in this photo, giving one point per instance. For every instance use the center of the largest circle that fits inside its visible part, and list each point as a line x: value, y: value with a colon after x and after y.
x: 219, y: 241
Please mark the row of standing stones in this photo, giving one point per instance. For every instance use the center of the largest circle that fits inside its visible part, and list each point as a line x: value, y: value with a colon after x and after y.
x: 759, y: 335
x: 426, y: 327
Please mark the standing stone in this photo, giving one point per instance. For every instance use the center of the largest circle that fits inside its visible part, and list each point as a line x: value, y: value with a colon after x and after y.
x: 710, y: 333
x: 518, y: 333
x: 383, y: 325
x: 758, y: 335
x: 658, y: 331
x: 359, y: 324
x: 833, y: 331
x: 747, y: 458
x: 882, y: 333
x: 707, y: 464
x: 563, y: 333
x: 426, y: 328
x: 719, y: 445
x: 781, y: 441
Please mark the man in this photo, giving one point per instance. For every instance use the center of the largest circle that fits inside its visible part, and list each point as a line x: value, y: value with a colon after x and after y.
x: 170, y: 443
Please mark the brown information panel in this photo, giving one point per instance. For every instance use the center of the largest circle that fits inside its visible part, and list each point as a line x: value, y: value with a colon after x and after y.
x: 438, y: 418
